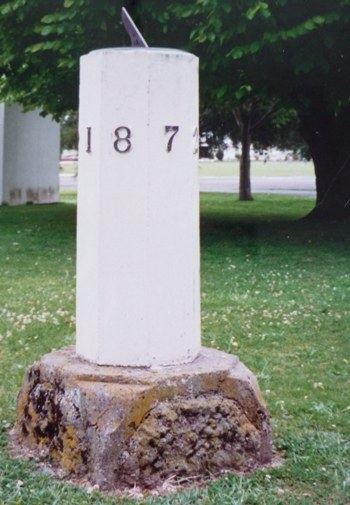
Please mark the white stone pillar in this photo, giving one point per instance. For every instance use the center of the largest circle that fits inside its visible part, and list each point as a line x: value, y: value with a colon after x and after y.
x: 138, y: 225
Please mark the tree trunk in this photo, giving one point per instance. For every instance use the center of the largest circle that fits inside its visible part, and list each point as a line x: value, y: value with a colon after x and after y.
x: 245, y: 193
x: 328, y: 136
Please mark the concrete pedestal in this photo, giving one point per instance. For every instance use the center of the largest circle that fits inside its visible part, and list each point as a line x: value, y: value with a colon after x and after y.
x: 123, y: 426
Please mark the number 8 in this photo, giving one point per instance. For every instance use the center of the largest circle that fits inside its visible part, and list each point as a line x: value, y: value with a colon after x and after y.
x: 120, y: 139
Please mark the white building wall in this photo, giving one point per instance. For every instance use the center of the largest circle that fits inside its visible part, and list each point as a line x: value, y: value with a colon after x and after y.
x: 30, y: 153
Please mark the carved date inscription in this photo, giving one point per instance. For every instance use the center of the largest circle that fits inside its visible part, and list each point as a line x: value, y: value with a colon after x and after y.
x: 123, y: 134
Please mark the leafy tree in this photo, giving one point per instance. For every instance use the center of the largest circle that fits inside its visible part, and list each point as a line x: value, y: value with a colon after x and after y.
x: 249, y: 116
x: 294, y: 52
x: 234, y: 87
x: 69, y: 131
x: 40, y: 45
x: 299, y: 53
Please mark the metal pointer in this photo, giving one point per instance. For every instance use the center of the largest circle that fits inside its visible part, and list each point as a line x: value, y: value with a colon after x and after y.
x: 136, y: 38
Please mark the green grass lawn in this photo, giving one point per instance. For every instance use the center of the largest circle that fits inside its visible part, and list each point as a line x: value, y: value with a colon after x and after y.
x: 275, y: 291
x: 258, y: 168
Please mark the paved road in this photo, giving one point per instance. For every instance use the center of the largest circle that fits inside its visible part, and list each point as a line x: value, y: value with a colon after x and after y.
x: 301, y: 185
x: 68, y: 182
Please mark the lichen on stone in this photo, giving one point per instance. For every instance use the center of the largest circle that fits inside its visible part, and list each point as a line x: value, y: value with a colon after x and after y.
x: 187, y: 437
x: 122, y: 427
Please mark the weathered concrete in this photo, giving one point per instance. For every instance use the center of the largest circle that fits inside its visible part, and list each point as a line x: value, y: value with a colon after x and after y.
x: 123, y: 426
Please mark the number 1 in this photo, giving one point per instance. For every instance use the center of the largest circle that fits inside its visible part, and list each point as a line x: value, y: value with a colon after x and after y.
x: 88, y: 140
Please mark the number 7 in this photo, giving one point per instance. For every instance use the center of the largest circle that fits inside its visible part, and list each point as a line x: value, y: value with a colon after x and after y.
x: 173, y: 129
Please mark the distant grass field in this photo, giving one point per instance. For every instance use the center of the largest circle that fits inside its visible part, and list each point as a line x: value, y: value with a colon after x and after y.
x: 70, y: 168
x: 275, y: 291
x: 225, y: 168
x: 258, y: 168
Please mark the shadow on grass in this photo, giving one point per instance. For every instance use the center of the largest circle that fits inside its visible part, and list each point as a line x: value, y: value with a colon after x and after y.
x: 268, y: 220
x: 60, y: 217
x: 273, y: 221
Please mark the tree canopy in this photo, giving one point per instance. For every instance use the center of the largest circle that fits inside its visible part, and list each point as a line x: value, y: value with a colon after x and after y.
x: 291, y: 52
x: 41, y: 43
x: 295, y: 53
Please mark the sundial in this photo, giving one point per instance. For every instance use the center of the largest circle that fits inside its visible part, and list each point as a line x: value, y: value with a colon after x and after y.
x: 138, y: 400
x: 138, y: 252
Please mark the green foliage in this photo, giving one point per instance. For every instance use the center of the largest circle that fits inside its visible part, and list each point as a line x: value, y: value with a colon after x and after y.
x: 283, y: 47
x: 69, y: 131
x: 273, y: 42
x: 294, y: 54
x: 41, y: 43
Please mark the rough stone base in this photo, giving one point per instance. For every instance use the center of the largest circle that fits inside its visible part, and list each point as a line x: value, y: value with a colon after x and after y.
x: 123, y: 426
